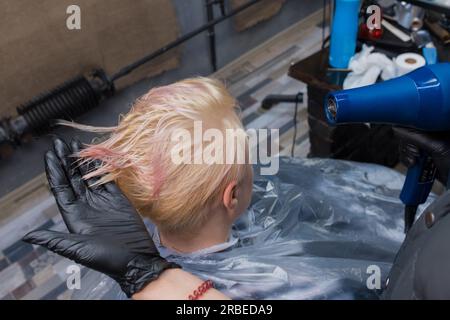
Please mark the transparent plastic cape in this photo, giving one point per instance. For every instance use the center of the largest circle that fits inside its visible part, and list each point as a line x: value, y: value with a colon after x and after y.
x: 319, y: 229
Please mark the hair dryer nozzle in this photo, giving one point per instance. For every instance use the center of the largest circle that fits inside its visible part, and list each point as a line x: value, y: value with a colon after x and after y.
x: 420, y: 99
x: 331, y: 109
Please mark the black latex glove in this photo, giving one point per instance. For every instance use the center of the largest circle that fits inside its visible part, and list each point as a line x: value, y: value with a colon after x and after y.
x: 106, y: 232
x: 437, y: 145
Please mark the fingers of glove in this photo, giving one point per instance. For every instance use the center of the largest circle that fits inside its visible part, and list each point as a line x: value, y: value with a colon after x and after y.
x: 71, y: 246
x: 68, y: 161
x: 57, y: 179
x: 88, y: 167
x: 407, y: 160
x: 409, y: 154
x: 437, y: 144
x: 86, y: 250
x: 55, y: 241
x: 420, y: 139
x: 63, y: 152
x: 76, y: 178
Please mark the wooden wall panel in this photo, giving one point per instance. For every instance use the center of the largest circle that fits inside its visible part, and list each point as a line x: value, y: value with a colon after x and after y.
x: 38, y: 52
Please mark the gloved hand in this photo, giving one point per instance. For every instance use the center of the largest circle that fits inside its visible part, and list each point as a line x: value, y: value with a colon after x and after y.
x: 106, y: 232
x: 437, y: 145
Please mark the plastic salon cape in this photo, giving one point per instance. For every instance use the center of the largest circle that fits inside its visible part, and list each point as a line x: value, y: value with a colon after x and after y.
x: 319, y: 229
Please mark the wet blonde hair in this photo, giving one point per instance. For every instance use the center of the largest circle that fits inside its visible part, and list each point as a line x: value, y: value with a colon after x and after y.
x: 137, y: 154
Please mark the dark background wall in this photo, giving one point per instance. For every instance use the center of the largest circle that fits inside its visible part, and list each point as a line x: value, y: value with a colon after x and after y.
x: 27, y: 161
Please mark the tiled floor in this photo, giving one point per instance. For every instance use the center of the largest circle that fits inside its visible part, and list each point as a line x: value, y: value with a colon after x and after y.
x: 30, y: 272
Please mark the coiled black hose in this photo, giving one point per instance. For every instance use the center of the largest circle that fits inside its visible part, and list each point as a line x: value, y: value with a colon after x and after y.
x: 81, y: 94
x: 66, y: 101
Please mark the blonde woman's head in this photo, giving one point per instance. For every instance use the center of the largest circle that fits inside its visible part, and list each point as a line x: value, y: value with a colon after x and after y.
x: 137, y: 156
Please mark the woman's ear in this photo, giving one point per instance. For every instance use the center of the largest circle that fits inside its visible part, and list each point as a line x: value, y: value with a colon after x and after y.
x: 230, y: 200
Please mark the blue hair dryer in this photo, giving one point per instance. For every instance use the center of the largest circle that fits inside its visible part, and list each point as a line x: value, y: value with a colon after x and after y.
x: 419, y: 99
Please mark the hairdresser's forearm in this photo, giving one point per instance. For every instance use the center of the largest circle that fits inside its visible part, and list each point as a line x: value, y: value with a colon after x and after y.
x: 176, y: 284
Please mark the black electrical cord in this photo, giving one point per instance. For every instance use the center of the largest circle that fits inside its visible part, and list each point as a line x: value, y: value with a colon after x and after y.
x: 299, y: 97
x: 410, y: 214
x: 323, y: 22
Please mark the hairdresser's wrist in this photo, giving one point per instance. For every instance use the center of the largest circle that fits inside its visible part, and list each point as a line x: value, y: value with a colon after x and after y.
x: 142, y: 270
x: 175, y: 284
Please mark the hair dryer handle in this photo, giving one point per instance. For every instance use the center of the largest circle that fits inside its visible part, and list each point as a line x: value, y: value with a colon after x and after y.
x: 419, y: 181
